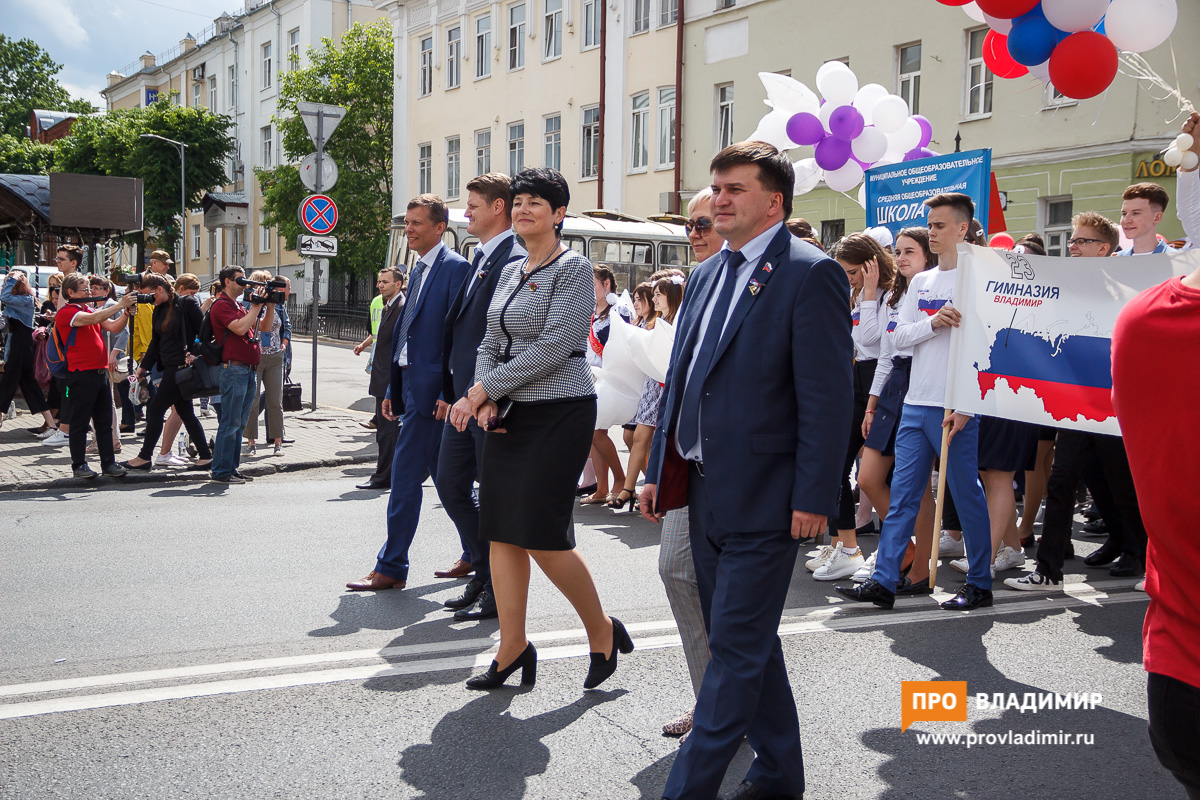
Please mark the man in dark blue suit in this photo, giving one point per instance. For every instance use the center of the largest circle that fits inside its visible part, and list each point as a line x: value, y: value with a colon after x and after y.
x: 416, y: 371
x: 489, y: 217
x: 757, y: 405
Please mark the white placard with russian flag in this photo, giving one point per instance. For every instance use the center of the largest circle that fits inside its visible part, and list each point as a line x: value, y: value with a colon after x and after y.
x: 1035, y: 339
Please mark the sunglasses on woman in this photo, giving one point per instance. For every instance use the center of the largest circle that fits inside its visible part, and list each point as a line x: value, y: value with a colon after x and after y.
x: 700, y: 226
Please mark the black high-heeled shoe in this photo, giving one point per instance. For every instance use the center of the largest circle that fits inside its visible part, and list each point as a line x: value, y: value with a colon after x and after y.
x: 619, y: 502
x: 583, y: 491
x: 495, y: 677
x: 604, y: 666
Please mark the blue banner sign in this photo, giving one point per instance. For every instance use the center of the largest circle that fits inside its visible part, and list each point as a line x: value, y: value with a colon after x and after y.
x: 896, y: 193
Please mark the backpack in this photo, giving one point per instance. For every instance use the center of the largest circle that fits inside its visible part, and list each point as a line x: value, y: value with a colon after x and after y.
x: 56, y: 352
x: 205, y: 344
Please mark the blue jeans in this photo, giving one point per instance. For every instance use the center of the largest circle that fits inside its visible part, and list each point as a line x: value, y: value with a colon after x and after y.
x: 239, y: 386
x: 918, y: 442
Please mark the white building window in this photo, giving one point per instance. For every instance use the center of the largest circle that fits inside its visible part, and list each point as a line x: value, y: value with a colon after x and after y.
x: 516, y: 36
x: 212, y: 94
x: 483, y: 152
x: 268, y: 144
x: 552, y: 138
x: 666, y: 126
x: 978, y: 95
x: 726, y: 4
x: 294, y: 48
x: 453, y: 58
x: 552, y: 30
x: 639, y: 127
x: 197, y: 93
x: 724, y: 119
x: 908, y: 75
x: 195, y: 242
x: 264, y: 236
x: 641, y: 16
x: 425, y: 79
x: 516, y: 147
x: 267, y: 71
x: 233, y: 87
x: 590, y: 143
x: 424, y: 168
x: 668, y: 12
x: 453, y: 166
x: 483, y: 46
x: 593, y: 11
x: 1056, y: 213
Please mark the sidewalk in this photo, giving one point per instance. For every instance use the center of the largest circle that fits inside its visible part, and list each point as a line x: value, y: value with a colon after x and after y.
x: 324, y: 438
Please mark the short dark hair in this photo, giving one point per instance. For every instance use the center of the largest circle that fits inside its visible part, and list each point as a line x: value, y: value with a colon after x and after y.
x: 74, y: 253
x: 492, y: 186
x: 1033, y: 243
x: 774, y: 170
x: 962, y: 204
x: 438, y: 214
x: 543, y: 182
x: 1106, y: 230
x: 1152, y: 192
x: 228, y: 273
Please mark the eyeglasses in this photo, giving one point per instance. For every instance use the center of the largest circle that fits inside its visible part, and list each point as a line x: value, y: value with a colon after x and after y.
x: 700, y: 226
x: 60, y: 258
x: 1081, y: 240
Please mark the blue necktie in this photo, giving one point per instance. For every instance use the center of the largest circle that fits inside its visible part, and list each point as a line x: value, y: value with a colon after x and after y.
x: 410, y: 308
x: 688, y: 432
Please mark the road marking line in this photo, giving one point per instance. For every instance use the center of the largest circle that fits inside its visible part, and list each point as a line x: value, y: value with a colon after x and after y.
x: 823, y: 620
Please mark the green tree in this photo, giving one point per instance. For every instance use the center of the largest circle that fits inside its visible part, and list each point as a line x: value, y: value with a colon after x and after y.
x: 355, y: 73
x: 21, y: 156
x: 112, y: 144
x: 27, y: 82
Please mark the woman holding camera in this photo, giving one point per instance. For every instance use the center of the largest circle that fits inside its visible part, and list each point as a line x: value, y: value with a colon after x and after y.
x: 532, y: 362
x: 175, y: 322
x: 270, y: 376
x: 19, y: 302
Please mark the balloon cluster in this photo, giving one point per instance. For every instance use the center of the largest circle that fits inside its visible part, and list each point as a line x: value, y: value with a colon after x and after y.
x: 1179, y: 153
x: 1071, y: 44
x: 852, y: 128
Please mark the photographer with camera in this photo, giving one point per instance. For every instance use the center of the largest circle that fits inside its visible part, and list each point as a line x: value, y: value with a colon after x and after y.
x: 272, y: 355
x: 18, y: 300
x: 78, y: 328
x: 236, y: 332
x: 174, y: 321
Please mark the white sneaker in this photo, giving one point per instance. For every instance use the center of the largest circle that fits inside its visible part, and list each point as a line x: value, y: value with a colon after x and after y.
x: 1033, y: 582
x: 1140, y: 585
x: 866, y: 570
x: 842, y: 565
x: 824, y: 555
x: 46, y: 434
x: 949, y: 546
x: 170, y: 460
x: 960, y: 564
x: 206, y: 412
x: 1008, y: 558
x: 57, y: 440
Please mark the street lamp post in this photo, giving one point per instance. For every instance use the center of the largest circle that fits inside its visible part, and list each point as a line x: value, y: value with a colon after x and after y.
x: 182, y: 195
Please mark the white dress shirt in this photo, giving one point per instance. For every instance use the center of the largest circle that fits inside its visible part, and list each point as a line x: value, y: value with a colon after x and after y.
x: 428, y: 261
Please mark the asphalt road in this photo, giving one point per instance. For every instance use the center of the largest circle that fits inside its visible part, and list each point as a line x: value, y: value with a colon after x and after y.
x: 196, y: 641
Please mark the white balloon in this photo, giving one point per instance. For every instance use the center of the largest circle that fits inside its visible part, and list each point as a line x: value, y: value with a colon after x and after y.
x: 1140, y: 25
x: 866, y: 99
x: 907, y: 138
x: 890, y: 113
x: 1173, y: 157
x: 772, y: 129
x: 786, y: 94
x: 862, y: 195
x: 1074, y: 15
x: 1184, y: 140
x: 870, y: 145
x: 808, y: 175
x: 838, y: 86
x: 845, y: 178
x: 973, y: 11
x: 826, y: 112
x: 999, y: 24
x: 1190, y: 160
x: 1041, y: 71
x: 830, y: 66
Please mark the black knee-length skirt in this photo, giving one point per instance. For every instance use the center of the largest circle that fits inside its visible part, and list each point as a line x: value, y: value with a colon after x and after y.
x: 887, y: 410
x: 528, y: 477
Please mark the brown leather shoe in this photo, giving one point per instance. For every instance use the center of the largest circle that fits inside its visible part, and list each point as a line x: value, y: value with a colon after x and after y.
x: 375, y: 582
x: 461, y: 569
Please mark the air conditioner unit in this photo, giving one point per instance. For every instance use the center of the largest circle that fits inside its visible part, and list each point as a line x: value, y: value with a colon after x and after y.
x: 238, y: 167
x: 198, y: 73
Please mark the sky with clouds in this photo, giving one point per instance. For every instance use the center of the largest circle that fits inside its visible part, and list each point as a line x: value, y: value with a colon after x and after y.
x: 91, y: 38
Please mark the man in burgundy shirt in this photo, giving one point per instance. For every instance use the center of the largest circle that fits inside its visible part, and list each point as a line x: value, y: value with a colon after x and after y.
x: 236, y: 331
x: 78, y: 329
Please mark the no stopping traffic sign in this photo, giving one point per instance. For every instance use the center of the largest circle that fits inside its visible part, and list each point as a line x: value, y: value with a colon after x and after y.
x: 318, y: 213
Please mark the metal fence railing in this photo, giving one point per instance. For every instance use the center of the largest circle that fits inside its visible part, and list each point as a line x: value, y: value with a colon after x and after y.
x: 333, y: 322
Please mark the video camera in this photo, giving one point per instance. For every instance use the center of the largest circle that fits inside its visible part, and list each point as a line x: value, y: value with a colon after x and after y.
x: 273, y: 295
x: 133, y: 279
x: 145, y: 298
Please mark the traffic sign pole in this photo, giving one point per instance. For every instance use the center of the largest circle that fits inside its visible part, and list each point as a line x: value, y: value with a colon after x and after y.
x: 316, y: 284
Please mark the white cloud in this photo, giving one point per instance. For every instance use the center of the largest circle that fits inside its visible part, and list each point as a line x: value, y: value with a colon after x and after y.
x: 91, y: 93
x: 60, y: 21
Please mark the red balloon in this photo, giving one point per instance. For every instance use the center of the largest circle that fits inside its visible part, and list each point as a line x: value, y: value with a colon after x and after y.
x: 1002, y: 241
x: 1007, y: 9
x: 1083, y: 64
x: 998, y: 59
x: 954, y: 2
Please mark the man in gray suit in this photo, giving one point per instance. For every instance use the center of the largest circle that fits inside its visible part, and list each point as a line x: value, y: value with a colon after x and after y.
x: 388, y: 283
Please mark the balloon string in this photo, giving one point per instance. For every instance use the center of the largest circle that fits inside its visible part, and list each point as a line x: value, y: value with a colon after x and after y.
x: 1135, y: 66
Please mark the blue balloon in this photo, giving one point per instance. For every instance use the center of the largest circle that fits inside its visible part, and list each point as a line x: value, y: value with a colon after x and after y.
x: 1032, y: 39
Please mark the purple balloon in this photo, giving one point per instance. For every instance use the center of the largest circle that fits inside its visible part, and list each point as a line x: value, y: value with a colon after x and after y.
x: 832, y: 153
x: 864, y: 164
x: 805, y: 128
x: 918, y: 153
x: 926, y: 130
x: 846, y: 123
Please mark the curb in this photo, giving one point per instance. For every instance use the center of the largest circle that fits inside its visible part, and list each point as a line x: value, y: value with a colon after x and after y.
x: 177, y: 476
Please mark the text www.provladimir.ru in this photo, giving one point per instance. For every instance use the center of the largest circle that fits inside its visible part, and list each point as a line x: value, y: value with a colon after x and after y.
x: 1010, y: 738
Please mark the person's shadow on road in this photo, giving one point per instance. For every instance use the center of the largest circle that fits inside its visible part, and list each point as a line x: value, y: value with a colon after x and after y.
x: 484, y: 747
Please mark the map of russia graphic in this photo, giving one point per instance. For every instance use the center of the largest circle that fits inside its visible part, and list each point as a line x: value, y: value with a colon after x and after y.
x: 1071, y: 375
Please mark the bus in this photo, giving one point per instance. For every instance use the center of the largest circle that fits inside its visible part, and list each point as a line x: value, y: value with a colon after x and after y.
x: 632, y: 247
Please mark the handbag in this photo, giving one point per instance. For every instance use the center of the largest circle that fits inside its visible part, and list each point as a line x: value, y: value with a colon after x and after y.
x: 198, y: 379
x: 292, y: 396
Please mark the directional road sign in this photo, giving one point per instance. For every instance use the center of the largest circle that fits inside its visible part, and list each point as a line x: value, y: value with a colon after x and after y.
x: 320, y: 119
x: 318, y: 214
x: 308, y: 172
x: 317, y: 246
